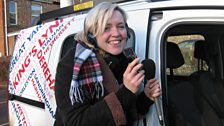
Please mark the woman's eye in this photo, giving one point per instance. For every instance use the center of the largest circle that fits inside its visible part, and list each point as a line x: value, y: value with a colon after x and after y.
x: 121, y: 27
x: 107, y: 29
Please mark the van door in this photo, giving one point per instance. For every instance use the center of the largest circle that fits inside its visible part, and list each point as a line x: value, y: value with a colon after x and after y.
x: 138, y: 21
x: 189, y: 74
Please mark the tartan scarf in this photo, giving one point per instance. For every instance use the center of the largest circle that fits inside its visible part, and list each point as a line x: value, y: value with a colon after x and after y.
x: 87, y: 75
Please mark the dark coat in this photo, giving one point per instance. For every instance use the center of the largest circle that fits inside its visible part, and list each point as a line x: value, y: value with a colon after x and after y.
x: 118, y: 107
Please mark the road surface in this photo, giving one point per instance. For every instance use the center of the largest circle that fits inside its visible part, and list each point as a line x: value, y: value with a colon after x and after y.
x: 3, y: 106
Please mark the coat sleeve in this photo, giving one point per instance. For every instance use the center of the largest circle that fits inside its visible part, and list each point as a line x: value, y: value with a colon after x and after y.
x: 143, y: 103
x: 106, y: 112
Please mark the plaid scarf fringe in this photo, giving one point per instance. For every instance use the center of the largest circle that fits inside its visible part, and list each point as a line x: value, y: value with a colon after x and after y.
x: 89, y: 80
x: 78, y: 92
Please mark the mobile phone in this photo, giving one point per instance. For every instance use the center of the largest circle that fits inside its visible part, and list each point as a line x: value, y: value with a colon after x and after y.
x: 130, y: 55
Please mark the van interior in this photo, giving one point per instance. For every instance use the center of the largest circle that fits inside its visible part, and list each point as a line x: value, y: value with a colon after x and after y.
x: 194, y: 90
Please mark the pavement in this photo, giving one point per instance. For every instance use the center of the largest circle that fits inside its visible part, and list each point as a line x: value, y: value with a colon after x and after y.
x: 3, y: 105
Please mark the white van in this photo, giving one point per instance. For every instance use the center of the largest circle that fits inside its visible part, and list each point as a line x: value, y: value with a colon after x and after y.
x: 185, y: 39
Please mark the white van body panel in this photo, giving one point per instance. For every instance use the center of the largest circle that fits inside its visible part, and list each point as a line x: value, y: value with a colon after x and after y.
x: 138, y: 21
x: 35, y: 69
x: 22, y: 114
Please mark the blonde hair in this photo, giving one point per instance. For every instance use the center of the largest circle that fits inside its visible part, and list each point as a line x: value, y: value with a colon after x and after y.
x: 96, y: 20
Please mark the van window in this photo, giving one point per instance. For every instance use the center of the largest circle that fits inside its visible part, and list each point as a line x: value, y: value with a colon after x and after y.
x: 131, y: 40
x: 186, y: 44
x: 194, y: 66
x: 68, y: 44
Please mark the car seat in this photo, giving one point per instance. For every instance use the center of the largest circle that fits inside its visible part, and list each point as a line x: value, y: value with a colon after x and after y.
x: 180, y: 93
x: 208, y: 90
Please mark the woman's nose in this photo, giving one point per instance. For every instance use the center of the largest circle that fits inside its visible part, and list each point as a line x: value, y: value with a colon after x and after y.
x: 115, y: 31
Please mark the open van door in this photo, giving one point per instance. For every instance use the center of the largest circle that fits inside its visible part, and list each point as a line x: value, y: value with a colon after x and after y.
x: 186, y: 43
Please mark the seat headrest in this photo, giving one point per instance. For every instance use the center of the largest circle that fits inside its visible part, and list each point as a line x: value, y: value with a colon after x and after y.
x: 200, y: 50
x: 175, y: 58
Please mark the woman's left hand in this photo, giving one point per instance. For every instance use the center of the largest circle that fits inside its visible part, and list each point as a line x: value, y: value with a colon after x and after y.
x: 152, y: 89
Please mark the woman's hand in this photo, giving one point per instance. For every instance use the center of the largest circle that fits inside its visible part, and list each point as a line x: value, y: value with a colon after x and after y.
x: 152, y: 89
x: 132, y: 77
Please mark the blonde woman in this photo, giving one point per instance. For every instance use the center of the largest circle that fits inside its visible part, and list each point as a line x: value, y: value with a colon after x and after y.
x: 95, y: 84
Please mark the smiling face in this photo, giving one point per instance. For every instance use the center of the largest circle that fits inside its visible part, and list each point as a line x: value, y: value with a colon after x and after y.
x: 113, y: 39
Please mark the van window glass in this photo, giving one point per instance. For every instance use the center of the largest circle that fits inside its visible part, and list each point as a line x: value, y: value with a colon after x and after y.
x: 68, y: 44
x: 194, y: 70
x: 131, y: 40
x: 186, y: 44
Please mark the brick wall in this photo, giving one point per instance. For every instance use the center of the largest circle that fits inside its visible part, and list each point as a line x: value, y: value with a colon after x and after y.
x: 4, y: 63
x: 24, y: 13
x: 11, y: 41
x: 24, y: 17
